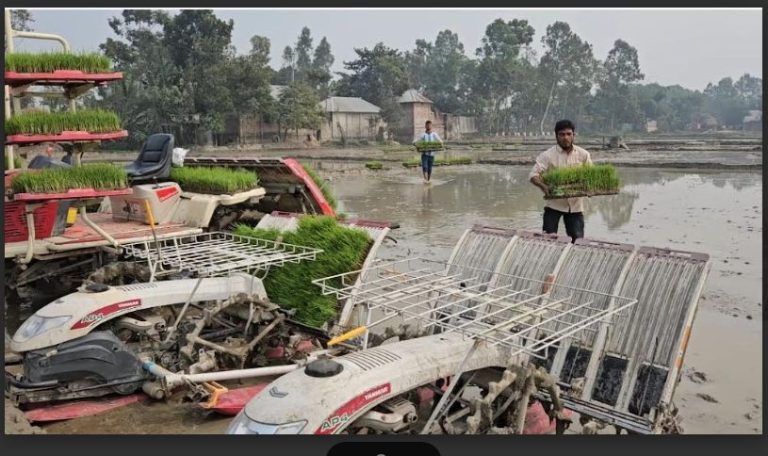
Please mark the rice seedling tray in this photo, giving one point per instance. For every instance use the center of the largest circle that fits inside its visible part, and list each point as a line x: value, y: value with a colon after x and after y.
x: 580, y: 193
x: 44, y: 62
x: 580, y: 181
x: 66, y: 136
x: 60, y: 77
x: 75, y: 193
x: 429, y: 146
x: 344, y: 249
x: 216, y: 180
x: 87, y: 181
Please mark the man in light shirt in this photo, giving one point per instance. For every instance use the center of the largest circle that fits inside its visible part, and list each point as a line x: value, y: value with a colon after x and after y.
x: 564, y: 154
x: 428, y: 157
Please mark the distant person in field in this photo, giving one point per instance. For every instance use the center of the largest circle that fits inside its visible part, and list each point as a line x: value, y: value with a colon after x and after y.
x: 428, y: 157
x: 564, y: 154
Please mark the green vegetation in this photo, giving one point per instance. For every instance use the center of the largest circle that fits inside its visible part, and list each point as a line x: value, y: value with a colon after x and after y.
x: 321, y: 183
x: 374, y: 165
x: 214, y: 181
x: 48, y: 62
x: 415, y: 162
x: 290, y: 286
x: 53, y: 123
x: 98, y: 176
x: 584, y: 180
x: 428, y: 146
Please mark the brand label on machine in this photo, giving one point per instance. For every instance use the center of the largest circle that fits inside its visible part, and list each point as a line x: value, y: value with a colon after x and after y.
x: 100, y: 314
x: 343, y: 413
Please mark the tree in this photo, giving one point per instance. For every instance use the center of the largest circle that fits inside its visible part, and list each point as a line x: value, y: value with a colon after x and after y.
x: 378, y: 75
x: 248, y: 78
x: 303, y: 53
x: 614, y: 100
x: 260, y: 47
x: 199, y: 43
x: 299, y: 108
x: 502, y: 72
x: 569, y: 67
x: 22, y: 20
x: 438, y: 70
x: 320, y: 76
x: 175, y: 69
x: 289, y: 64
x: 750, y: 89
x: 725, y: 103
x: 150, y: 94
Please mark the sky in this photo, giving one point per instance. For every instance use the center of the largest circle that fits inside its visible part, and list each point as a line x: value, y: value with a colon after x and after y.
x: 689, y: 47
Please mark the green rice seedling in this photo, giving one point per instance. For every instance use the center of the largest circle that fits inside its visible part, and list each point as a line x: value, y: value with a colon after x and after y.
x: 98, y: 176
x: 321, y: 183
x: 412, y: 163
x: 460, y: 161
x: 216, y: 181
x: 583, y: 180
x: 53, y: 123
x: 48, y: 62
x: 427, y: 146
x: 290, y: 286
x: 374, y: 165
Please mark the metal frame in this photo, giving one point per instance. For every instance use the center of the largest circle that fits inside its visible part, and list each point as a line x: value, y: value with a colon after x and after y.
x: 422, y: 291
x: 215, y: 254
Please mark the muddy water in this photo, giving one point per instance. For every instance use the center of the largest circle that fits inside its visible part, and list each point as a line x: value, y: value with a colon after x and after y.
x: 718, y: 213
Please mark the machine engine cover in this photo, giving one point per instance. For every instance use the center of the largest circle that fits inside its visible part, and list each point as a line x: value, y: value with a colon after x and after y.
x: 99, y: 355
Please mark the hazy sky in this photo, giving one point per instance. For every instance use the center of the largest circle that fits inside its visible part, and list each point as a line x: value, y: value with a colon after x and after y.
x: 675, y: 46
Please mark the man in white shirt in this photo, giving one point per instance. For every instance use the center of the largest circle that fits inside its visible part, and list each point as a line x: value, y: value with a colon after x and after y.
x: 428, y: 157
x: 564, y: 154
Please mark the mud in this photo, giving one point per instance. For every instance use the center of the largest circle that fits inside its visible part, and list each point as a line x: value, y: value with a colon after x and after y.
x: 15, y: 423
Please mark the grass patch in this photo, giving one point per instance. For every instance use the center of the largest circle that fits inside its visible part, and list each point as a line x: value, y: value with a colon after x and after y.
x: 374, y: 165
x: 416, y: 162
x: 215, y: 181
x: 98, y: 176
x: 396, y: 148
x: 321, y: 183
x: 53, y: 123
x: 582, y: 180
x: 290, y: 286
x: 48, y: 62
x: 457, y: 161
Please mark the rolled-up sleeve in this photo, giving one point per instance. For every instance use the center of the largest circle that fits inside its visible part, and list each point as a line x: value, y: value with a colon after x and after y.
x: 541, y: 165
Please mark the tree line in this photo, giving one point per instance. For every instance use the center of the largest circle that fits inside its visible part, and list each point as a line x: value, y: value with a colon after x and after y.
x: 182, y: 70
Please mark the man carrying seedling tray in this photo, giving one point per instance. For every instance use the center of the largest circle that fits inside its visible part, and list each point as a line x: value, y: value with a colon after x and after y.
x: 428, y: 143
x: 564, y: 154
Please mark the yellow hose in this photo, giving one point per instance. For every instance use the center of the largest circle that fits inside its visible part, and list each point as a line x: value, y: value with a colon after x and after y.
x: 347, y: 335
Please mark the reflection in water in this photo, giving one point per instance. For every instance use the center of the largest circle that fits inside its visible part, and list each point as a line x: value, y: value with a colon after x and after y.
x: 615, y: 209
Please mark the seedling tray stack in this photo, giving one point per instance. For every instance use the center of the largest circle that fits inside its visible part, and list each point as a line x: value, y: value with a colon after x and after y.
x: 48, y: 194
x: 76, y: 74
